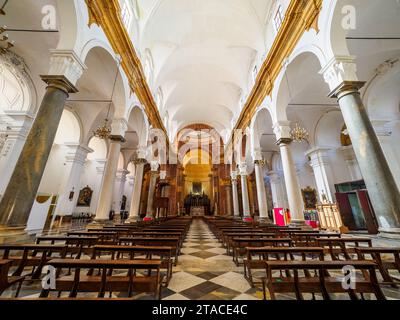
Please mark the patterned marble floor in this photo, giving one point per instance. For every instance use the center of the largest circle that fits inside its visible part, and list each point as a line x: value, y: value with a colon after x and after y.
x: 205, y: 272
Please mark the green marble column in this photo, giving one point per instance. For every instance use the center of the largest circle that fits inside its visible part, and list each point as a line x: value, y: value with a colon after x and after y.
x: 20, y: 194
x: 382, y: 188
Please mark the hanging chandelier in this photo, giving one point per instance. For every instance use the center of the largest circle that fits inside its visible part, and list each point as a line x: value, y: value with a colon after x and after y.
x: 103, y: 132
x: 299, y: 134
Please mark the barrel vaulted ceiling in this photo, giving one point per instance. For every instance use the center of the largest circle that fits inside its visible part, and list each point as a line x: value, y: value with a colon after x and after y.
x: 202, y: 54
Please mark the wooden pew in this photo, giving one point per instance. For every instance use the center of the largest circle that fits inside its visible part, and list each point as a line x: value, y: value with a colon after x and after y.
x: 323, y: 283
x: 229, y: 236
x: 164, y: 254
x: 257, y: 257
x: 104, y: 236
x: 383, y: 265
x: 240, y: 244
x: 154, y: 241
x: 28, y: 256
x: 106, y: 281
x: 5, y: 280
x: 343, y: 247
x: 311, y: 239
x: 76, y: 245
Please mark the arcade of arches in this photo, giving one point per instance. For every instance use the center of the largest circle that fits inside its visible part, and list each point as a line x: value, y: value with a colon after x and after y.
x: 252, y: 114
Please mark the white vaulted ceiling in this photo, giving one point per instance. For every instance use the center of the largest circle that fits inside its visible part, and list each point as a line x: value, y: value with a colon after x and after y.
x: 203, y: 53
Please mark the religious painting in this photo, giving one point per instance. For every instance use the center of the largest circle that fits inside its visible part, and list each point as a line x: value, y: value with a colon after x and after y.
x: 197, y: 188
x: 309, y: 198
x: 85, y: 197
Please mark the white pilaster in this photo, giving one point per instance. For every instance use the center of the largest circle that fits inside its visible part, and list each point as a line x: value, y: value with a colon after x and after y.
x: 323, y: 173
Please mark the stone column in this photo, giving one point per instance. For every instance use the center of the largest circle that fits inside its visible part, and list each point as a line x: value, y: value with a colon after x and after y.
x: 341, y: 76
x: 75, y: 161
x: 119, y: 189
x: 15, y: 207
x: 278, y: 190
x: 100, y: 166
x: 150, y: 199
x: 261, y: 193
x: 245, y: 191
x: 137, y: 190
x: 119, y: 128
x: 16, y: 127
x: 351, y: 162
x: 295, y: 198
x: 235, y: 196
x: 322, y: 172
x: 228, y: 189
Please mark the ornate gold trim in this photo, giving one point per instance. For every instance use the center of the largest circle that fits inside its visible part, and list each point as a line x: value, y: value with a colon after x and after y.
x: 300, y: 17
x: 106, y: 14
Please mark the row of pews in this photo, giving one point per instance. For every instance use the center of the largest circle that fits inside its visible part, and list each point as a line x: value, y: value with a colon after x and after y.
x: 115, y: 261
x: 295, y: 261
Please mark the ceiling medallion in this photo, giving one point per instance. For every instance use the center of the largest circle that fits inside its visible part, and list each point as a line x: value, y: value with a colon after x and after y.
x: 299, y: 134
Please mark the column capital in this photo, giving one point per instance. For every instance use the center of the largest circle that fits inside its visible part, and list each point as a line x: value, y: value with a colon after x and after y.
x: 242, y: 169
x: 284, y: 141
x: 257, y: 154
x: 163, y: 174
x: 345, y: 88
x: 77, y: 152
x: 119, y: 127
x: 282, y: 131
x: 320, y: 151
x: 234, y: 175
x: 338, y: 70
x: 154, y: 166
x: 66, y: 68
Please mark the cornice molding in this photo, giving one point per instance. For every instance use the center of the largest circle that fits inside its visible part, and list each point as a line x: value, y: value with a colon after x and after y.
x: 105, y: 13
x: 300, y: 17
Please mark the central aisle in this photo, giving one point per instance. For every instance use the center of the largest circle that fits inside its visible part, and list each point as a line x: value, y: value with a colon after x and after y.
x: 205, y: 271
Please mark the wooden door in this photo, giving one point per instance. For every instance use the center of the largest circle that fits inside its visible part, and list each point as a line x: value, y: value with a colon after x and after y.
x: 368, y: 210
x: 345, y: 211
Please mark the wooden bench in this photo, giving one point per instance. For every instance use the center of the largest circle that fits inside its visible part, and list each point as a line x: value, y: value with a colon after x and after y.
x: 106, y: 281
x: 343, y: 247
x: 154, y: 241
x: 229, y: 236
x: 323, y: 283
x: 383, y: 265
x: 76, y: 245
x: 164, y: 254
x: 31, y: 255
x: 5, y: 280
x: 311, y: 239
x: 104, y: 236
x: 256, y: 258
x: 239, y: 245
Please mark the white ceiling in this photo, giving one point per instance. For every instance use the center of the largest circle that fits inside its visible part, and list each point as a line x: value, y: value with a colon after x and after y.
x: 203, y: 52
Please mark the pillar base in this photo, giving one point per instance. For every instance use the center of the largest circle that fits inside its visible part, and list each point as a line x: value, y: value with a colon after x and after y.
x: 299, y: 224
x: 98, y: 223
x: 13, y: 234
x: 389, y: 233
x: 265, y: 220
x: 248, y: 219
x: 132, y: 220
